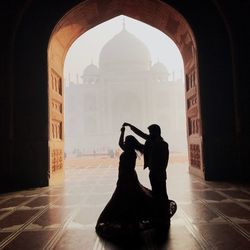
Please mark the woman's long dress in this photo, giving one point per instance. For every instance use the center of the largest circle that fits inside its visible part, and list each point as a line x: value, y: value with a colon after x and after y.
x: 131, y: 204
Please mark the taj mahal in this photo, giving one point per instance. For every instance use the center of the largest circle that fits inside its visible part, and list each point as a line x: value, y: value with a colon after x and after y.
x: 125, y: 86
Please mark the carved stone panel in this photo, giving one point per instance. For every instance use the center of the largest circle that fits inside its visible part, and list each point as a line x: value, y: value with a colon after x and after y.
x: 195, y: 155
x: 193, y: 122
x: 192, y: 104
x: 192, y: 101
x: 56, y: 82
x: 57, y: 106
x: 190, y: 80
x: 55, y: 126
x: 193, y: 126
x: 56, y: 129
x: 56, y: 159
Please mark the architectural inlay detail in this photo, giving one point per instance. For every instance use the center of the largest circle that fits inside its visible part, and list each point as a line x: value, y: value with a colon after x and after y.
x: 193, y: 126
x: 57, y: 106
x: 195, y: 155
x: 56, y: 159
x: 190, y: 80
x: 56, y: 82
x: 192, y: 101
x: 192, y: 104
x: 56, y: 129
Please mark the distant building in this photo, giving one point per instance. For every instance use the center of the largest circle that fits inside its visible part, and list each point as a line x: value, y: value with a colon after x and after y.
x: 125, y: 87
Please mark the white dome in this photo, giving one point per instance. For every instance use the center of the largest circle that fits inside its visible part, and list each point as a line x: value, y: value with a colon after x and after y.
x: 160, y: 72
x: 91, y: 70
x: 124, y: 52
x: 159, y: 68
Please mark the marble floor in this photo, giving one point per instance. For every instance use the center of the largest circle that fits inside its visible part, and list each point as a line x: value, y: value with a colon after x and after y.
x: 210, y: 215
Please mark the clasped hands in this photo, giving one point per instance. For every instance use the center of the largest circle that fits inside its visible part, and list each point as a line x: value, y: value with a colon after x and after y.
x: 124, y: 125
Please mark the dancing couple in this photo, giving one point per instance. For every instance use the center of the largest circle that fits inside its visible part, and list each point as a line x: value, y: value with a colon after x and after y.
x: 134, y: 208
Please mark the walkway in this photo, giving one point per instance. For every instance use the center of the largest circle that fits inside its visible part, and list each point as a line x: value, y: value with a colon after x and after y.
x: 210, y: 215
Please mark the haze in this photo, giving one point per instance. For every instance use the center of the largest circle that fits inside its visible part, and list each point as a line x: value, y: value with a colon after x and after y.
x: 122, y: 70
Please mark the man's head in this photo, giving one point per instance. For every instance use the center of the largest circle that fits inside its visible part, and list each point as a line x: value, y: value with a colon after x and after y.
x: 154, y: 130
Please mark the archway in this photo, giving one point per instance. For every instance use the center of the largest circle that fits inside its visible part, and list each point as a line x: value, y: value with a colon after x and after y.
x: 87, y: 15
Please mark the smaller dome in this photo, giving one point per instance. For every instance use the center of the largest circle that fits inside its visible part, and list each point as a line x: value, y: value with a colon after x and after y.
x: 160, y: 72
x: 91, y: 70
x: 159, y: 68
x: 90, y: 74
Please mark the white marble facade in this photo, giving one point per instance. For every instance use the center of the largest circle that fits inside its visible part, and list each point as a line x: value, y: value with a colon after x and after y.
x: 125, y: 86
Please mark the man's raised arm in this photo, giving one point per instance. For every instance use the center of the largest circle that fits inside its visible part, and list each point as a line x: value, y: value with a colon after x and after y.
x: 136, y: 130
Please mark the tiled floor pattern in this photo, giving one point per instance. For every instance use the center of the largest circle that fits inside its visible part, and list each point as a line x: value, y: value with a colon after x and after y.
x: 210, y: 215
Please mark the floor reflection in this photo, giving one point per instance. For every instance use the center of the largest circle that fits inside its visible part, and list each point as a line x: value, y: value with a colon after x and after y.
x: 210, y: 215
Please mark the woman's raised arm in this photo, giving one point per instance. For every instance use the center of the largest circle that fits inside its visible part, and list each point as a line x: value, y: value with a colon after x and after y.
x: 121, y: 140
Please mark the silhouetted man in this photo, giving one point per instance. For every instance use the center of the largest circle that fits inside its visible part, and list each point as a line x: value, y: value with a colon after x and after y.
x: 156, y: 156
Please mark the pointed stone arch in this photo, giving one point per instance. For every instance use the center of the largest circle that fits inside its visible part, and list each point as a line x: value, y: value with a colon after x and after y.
x: 90, y: 13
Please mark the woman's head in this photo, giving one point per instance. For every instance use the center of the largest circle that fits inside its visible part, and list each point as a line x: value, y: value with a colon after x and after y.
x: 132, y: 143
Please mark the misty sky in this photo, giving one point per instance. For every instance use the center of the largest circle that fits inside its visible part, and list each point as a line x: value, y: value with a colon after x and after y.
x: 86, y: 48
